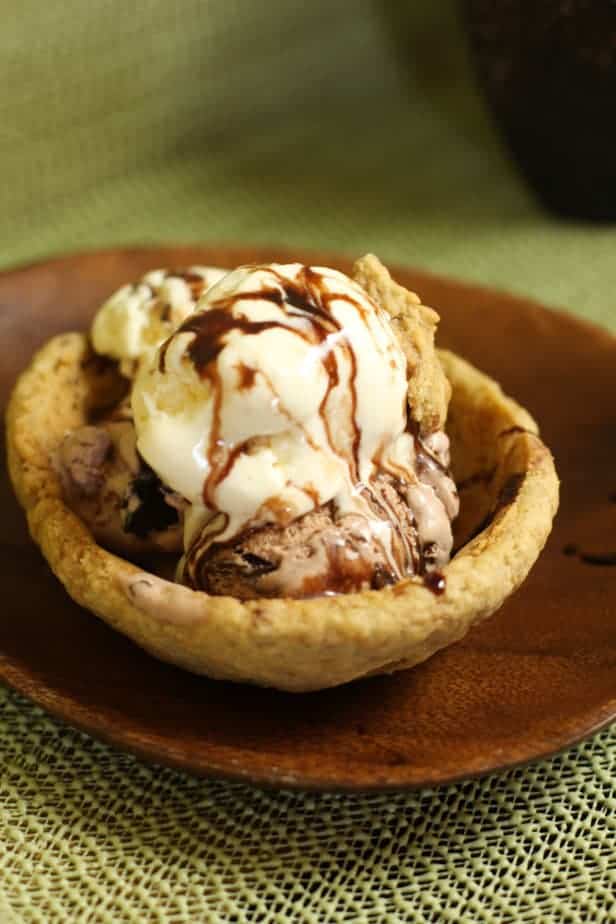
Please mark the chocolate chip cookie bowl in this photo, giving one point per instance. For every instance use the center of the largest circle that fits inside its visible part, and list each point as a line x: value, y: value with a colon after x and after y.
x: 271, y: 475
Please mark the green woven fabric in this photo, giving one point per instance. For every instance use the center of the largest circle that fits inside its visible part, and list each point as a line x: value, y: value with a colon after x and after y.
x: 92, y: 835
x: 343, y: 124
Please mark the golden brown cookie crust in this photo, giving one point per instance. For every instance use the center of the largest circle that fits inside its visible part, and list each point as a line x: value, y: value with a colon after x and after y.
x: 291, y: 644
x: 415, y: 326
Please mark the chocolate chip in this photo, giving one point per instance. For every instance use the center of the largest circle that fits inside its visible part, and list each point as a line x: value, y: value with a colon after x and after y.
x: 258, y: 564
x: 150, y: 512
x: 382, y: 578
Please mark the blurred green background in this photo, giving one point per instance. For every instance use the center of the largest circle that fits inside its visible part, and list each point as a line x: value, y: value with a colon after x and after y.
x: 346, y: 124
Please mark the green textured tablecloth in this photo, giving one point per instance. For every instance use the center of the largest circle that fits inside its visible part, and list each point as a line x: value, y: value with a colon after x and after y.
x: 350, y: 125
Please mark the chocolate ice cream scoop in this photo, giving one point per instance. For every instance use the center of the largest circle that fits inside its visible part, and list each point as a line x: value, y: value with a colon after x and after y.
x: 114, y: 492
x: 324, y: 552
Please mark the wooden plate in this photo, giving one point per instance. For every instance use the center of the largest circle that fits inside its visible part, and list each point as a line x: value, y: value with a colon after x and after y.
x: 537, y: 677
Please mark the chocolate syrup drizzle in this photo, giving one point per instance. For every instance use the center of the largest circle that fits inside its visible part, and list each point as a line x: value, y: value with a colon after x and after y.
x: 426, y: 459
x: 194, y: 281
x: 435, y: 581
x: 247, y: 376
x: 601, y: 559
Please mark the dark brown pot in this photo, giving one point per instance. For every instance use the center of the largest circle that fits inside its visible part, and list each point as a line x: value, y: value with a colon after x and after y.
x: 548, y: 68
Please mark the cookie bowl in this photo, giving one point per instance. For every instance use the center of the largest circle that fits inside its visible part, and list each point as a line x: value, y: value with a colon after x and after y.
x: 508, y: 490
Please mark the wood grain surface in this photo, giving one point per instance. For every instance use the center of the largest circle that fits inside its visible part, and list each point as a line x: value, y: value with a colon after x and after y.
x: 535, y: 678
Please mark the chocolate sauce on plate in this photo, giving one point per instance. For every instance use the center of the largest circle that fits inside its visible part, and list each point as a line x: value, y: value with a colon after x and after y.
x: 600, y: 559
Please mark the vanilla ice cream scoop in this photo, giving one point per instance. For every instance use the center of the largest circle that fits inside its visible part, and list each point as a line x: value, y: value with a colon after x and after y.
x: 137, y: 318
x: 285, y: 391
